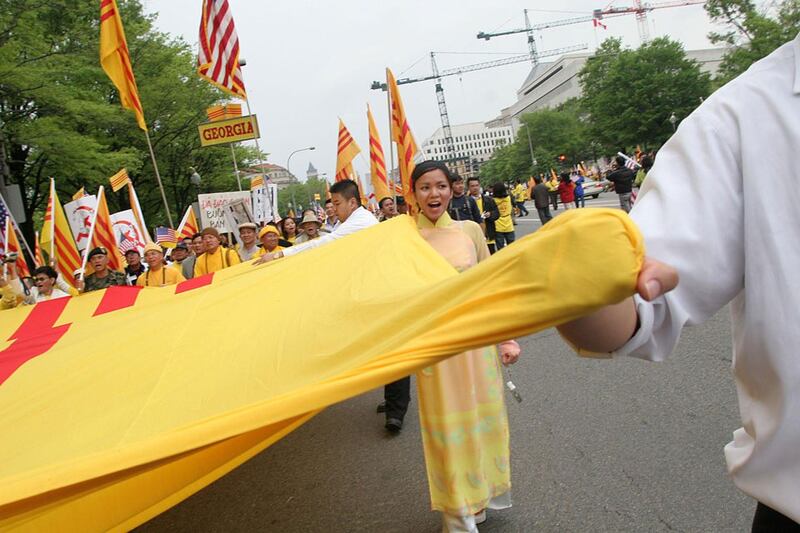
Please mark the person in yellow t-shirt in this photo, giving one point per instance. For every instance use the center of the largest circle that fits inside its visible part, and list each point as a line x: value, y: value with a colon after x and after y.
x: 504, y: 226
x: 269, y: 236
x: 520, y: 195
x: 158, y: 274
x: 552, y: 190
x: 215, y: 257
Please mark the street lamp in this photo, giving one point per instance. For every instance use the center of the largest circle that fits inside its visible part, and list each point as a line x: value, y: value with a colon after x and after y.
x: 673, y: 120
x: 288, y: 161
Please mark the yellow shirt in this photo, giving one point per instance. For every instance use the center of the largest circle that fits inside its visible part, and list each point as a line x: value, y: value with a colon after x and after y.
x: 552, y: 185
x: 504, y: 224
x: 519, y: 193
x: 221, y: 258
x: 160, y: 278
x: 261, y: 251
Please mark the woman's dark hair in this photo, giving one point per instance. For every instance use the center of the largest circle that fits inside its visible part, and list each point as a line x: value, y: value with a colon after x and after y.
x: 48, y: 271
x: 499, y: 190
x: 565, y: 176
x: 427, y: 166
x: 282, y: 229
x: 647, y: 162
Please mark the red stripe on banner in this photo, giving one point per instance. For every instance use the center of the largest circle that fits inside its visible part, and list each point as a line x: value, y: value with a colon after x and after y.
x: 116, y: 298
x: 105, y: 3
x: 35, y: 336
x: 194, y: 283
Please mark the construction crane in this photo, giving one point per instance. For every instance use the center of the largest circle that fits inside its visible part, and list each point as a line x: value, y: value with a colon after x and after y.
x: 639, y: 9
x: 438, y: 75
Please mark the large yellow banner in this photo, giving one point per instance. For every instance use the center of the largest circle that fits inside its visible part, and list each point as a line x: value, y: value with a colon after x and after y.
x: 120, y: 403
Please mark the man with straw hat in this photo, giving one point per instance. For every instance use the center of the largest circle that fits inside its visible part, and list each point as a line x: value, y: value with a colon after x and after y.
x: 310, y: 226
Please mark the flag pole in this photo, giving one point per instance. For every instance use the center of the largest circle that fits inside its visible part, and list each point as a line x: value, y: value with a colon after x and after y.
x: 158, y: 176
x: 273, y: 209
x: 235, y: 165
x: 53, y: 219
x: 390, y: 179
x: 91, y: 235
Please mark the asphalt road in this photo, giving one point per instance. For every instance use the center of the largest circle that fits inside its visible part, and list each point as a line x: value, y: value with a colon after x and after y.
x: 622, y: 445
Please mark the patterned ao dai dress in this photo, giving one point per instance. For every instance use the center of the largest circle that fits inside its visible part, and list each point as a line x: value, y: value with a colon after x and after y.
x: 462, y: 411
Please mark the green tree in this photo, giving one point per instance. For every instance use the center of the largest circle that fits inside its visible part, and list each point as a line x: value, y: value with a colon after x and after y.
x: 301, y: 194
x: 60, y: 115
x: 751, y: 34
x: 630, y: 95
x: 543, y: 136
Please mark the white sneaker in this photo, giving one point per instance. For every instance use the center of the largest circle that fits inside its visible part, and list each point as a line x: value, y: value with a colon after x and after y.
x: 480, y: 518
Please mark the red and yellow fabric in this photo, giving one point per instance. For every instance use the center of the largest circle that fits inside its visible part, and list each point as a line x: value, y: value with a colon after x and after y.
x: 102, y: 235
x: 119, y: 180
x: 116, y: 60
x: 13, y: 247
x: 56, y: 239
x: 347, y: 151
x: 402, y: 136
x: 38, y: 258
x: 125, y: 437
x: 188, y: 226
x: 377, y: 163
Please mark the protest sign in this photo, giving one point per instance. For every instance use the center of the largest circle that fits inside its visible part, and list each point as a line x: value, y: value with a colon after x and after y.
x: 127, y: 232
x: 212, y: 208
x: 79, y: 214
x: 265, y: 202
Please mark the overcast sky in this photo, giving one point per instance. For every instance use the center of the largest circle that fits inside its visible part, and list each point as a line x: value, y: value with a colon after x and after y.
x: 309, y: 62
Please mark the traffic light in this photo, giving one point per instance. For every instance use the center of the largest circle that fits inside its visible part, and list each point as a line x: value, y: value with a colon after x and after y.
x: 562, y: 158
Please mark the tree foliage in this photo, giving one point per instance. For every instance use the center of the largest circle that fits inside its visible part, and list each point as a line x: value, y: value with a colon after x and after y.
x: 60, y: 114
x: 751, y: 34
x: 301, y: 195
x: 630, y: 95
x: 552, y: 133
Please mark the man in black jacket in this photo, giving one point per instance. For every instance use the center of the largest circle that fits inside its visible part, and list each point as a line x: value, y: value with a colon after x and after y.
x: 463, y: 207
x: 622, y: 177
x: 541, y: 199
x: 487, y: 208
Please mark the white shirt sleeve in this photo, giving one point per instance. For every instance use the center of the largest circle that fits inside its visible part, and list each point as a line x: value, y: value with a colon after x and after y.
x: 358, y: 220
x: 690, y: 212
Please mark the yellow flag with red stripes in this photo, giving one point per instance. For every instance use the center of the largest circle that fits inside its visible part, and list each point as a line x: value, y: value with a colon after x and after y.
x: 119, y: 180
x: 56, y: 238
x: 13, y: 247
x: 346, y: 152
x: 116, y: 60
x: 377, y: 164
x: 101, y: 235
x: 188, y: 226
x: 403, y: 138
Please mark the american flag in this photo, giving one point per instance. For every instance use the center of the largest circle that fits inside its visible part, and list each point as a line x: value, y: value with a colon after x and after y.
x: 629, y: 161
x: 127, y: 244
x: 218, y: 57
x: 166, y: 237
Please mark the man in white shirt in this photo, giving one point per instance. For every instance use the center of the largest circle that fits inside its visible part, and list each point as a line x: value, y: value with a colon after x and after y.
x: 720, y: 205
x: 346, y: 201
x: 331, y: 221
x: 48, y: 285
